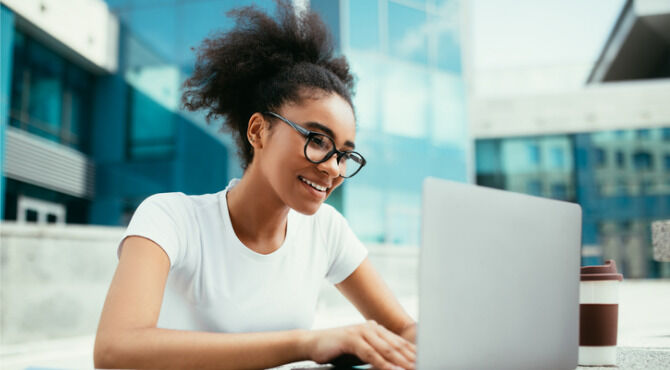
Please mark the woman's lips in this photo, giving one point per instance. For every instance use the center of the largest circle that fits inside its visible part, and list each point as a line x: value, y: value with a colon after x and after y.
x: 318, y: 194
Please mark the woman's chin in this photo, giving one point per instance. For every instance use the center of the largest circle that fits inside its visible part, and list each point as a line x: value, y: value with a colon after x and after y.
x: 307, y: 209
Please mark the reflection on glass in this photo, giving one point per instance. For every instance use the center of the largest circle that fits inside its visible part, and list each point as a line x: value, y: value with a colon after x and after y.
x: 643, y: 160
x: 364, y: 24
x: 619, y: 197
x: 644, y: 134
x: 50, y: 96
x: 601, y: 158
x: 152, y: 128
x: 407, y: 33
x: 620, y: 159
x: 367, y: 99
x: 447, y: 100
x: 534, y: 187
x: 533, y: 154
x: 405, y: 98
x: 557, y: 158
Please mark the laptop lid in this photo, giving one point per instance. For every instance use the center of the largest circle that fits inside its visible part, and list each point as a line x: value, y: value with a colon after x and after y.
x: 499, y: 279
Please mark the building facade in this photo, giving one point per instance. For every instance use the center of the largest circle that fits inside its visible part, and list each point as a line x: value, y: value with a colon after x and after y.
x: 85, y: 136
x: 606, y: 147
x: 92, y: 123
x: 410, y: 101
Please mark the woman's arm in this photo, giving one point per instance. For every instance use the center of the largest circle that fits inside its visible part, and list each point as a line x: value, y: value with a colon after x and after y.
x: 372, y: 297
x: 127, y: 335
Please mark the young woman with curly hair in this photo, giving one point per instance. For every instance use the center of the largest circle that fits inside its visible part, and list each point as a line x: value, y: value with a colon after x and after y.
x: 231, y: 280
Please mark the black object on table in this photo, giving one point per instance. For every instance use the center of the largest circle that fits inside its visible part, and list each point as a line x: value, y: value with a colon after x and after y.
x: 346, y: 361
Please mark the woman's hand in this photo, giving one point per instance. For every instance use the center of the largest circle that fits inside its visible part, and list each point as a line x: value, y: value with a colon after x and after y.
x: 370, y: 341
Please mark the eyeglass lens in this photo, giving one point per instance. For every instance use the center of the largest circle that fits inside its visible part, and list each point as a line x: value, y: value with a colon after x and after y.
x: 319, y: 146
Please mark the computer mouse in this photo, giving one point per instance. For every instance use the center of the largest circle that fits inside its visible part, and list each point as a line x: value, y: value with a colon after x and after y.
x: 346, y: 361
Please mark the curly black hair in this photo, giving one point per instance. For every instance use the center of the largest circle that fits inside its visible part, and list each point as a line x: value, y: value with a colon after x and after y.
x: 261, y: 64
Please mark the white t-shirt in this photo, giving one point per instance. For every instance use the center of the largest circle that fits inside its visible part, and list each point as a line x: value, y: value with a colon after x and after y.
x: 217, y: 284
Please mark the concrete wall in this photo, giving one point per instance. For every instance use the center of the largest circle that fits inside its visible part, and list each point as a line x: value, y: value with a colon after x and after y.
x: 53, y: 279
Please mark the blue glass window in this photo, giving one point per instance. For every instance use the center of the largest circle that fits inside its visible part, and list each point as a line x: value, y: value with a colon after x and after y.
x: 648, y: 186
x: 665, y: 133
x: 19, y: 71
x: 50, y: 95
x: 448, y: 43
x: 45, y: 100
x: 643, y: 161
x: 364, y: 24
x: 623, y: 191
x: 152, y: 128
x: 533, y: 154
x: 644, y: 133
x: 408, y: 39
x: 559, y: 191
x: 620, y: 159
x: 488, y: 156
x: 406, y: 100
x: 601, y: 157
x: 557, y: 157
x: 534, y: 187
x: 621, y: 187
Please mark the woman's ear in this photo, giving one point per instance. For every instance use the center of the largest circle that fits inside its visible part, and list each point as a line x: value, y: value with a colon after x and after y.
x: 256, y: 130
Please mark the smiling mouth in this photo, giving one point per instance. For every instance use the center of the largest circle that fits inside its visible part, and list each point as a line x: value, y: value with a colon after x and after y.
x: 315, y: 186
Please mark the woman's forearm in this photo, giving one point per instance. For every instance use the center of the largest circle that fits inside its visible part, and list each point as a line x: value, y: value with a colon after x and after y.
x: 164, y: 348
x: 409, y: 332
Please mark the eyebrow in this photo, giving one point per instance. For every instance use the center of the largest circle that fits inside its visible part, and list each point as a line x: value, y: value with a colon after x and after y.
x: 329, y: 132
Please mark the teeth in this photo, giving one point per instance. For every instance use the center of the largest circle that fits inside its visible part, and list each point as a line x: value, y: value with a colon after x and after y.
x: 315, y: 186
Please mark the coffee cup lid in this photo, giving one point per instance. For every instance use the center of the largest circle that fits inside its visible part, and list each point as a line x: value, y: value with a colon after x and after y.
x: 600, y: 272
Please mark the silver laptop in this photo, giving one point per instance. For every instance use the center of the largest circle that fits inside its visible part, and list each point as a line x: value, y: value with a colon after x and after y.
x: 499, y: 279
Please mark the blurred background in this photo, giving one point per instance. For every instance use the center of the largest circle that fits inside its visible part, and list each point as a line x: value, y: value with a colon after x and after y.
x: 562, y: 99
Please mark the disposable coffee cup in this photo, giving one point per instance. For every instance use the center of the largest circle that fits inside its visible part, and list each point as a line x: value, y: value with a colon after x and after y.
x: 598, y: 314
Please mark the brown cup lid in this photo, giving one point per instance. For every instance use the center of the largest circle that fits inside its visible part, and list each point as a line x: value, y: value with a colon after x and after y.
x: 600, y: 272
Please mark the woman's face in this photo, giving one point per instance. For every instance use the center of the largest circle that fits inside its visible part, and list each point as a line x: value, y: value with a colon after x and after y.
x: 282, y: 158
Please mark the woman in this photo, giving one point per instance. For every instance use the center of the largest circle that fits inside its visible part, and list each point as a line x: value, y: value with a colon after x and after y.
x: 231, y: 280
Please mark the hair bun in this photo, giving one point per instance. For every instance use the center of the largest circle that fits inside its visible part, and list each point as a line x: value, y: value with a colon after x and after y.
x: 261, y: 64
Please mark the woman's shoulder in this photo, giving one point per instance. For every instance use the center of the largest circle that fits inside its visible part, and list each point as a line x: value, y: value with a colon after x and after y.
x: 179, y: 199
x: 171, y: 199
x: 175, y: 205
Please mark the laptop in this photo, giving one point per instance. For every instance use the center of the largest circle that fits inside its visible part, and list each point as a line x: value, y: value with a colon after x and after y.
x: 498, y: 279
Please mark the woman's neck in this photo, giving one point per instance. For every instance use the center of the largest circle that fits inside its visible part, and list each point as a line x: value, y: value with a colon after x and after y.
x: 258, y: 216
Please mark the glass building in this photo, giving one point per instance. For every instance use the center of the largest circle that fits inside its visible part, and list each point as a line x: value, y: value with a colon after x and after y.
x: 609, y: 149
x: 411, y: 109
x: 621, y: 178
x: 122, y: 136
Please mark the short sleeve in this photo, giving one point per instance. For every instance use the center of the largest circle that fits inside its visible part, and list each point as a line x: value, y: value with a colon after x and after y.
x: 345, y: 250
x: 159, y: 218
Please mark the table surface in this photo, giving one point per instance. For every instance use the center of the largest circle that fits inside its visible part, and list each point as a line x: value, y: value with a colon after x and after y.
x: 644, y: 332
x: 627, y: 358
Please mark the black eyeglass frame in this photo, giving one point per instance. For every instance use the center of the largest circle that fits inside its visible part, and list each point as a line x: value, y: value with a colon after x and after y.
x: 308, y: 136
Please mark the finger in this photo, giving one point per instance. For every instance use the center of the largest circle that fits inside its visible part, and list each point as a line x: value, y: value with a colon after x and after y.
x: 365, y: 352
x: 387, y: 350
x: 405, y: 342
x: 407, y: 348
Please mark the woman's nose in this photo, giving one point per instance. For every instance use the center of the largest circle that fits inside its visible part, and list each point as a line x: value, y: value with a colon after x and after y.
x: 330, y: 166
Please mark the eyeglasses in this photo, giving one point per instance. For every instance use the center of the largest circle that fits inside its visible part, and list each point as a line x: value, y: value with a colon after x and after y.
x: 319, y: 148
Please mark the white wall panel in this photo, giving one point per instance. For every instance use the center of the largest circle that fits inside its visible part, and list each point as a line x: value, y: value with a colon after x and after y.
x: 86, y: 27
